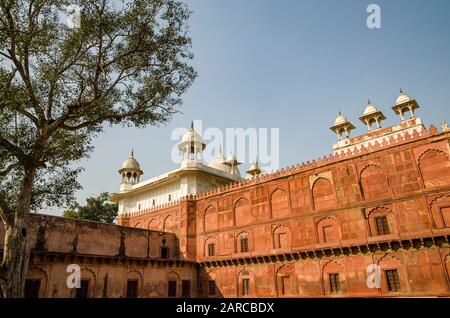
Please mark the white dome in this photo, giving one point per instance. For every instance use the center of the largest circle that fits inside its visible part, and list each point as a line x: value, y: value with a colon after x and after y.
x: 218, y: 163
x: 402, y: 98
x: 191, y: 136
x: 340, y: 119
x: 131, y: 164
x: 370, y: 109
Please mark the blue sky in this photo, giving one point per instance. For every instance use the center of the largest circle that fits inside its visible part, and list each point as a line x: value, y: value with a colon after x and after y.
x: 291, y: 65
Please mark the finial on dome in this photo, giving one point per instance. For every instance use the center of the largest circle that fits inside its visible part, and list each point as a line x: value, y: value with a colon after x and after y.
x: 401, y: 91
x: 132, y: 153
x: 369, y: 101
x: 192, y: 124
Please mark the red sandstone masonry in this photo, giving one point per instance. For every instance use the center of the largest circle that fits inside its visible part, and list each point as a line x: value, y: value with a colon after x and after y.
x: 301, y: 224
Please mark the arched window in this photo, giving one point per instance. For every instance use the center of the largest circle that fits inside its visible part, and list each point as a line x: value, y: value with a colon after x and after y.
x: 245, y: 283
x: 328, y: 230
x: 381, y: 222
x: 282, y: 237
x: 393, y: 278
x: 334, y: 279
x: 243, y: 242
x: 211, y: 247
x: 440, y: 211
x: 173, y: 282
x: 286, y: 281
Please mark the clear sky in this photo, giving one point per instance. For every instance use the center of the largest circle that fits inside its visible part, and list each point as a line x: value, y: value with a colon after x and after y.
x: 291, y: 64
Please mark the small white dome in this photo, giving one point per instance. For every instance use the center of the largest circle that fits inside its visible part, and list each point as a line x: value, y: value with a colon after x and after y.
x: 218, y: 163
x: 340, y: 119
x: 131, y: 164
x: 370, y: 109
x: 192, y: 136
x: 402, y: 98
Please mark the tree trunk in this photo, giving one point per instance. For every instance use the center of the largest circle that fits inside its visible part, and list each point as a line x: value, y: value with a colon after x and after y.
x: 13, y: 269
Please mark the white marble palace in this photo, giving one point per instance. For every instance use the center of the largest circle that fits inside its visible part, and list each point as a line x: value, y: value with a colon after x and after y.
x: 192, y: 177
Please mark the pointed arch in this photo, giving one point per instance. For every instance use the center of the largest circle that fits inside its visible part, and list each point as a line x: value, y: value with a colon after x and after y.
x: 323, y: 193
x: 281, y: 237
x: 440, y: 211
x: 434, y: 166
x: 333, y: 277
x: 39, y: 275
x: 381, y: 221
x: 328, y: 230
x: 245, y: 283
x: 374, y: 182
x: 279, y: 203
x: 153, y: 224
x: 286, y: 280
x: 211, y: 218
x: 169, y: 224
x: 242, y: 212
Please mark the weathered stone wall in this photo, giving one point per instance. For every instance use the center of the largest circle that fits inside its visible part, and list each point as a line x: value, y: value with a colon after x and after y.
x: 108, y: 255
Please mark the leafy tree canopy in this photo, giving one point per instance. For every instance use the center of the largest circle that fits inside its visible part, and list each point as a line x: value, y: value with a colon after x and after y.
x: 97, y: 208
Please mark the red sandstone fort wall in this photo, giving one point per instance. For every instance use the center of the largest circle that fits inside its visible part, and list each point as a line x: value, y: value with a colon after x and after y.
x: 318, y: 218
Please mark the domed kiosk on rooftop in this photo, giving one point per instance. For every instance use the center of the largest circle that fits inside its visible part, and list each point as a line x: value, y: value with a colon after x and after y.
x: 130, y: 172
x: 372, y: 115
x: 342, y: 125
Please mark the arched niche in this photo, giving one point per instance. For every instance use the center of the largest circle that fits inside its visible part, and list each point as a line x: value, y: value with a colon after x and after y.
x: 211, y: 218
x: 440, y: 211
x: 374, y: 183
x: 242, y: 212
x: 169, y: 224
x: 328, y: 230
x: 286, y: 281
x: 279, y: 203
x: 323, y: 194
x: 282, y: 237
x: 435, y: 168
